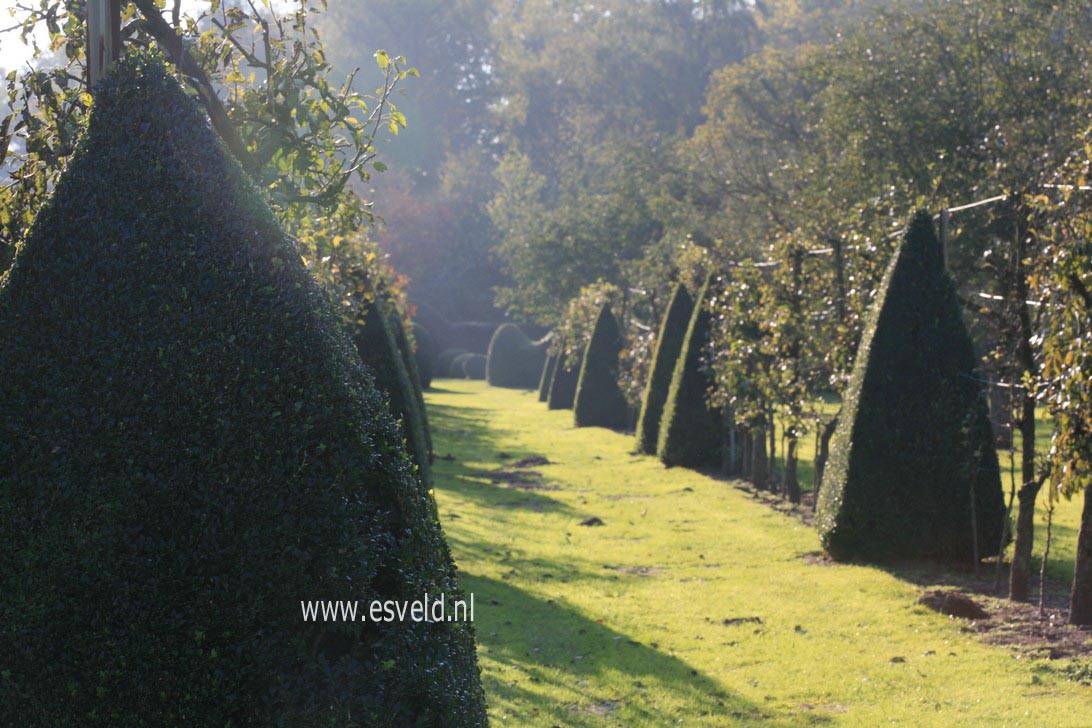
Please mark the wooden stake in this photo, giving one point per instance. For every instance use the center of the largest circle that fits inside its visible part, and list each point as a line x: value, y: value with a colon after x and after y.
x: 103, y: 37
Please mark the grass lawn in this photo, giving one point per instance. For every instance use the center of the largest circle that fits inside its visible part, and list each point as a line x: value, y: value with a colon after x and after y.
x: 1067, y: 512
x: 692, y: 603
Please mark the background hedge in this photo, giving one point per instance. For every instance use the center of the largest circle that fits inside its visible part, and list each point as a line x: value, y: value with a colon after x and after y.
x: 914, y: 439
x: 445, y: 363
x: 473, y: 366
x: 563, y: 386
x: 189, y: 446
x: 599, y: 401
x: 669, y: 343
x: 424, y: 354
x: 546, y: 377
x: 378, y: 349
x: 691, y: 431
x: 514, y: 360
x: 409, y: 361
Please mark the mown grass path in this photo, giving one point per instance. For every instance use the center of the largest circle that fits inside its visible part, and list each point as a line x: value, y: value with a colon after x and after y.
x: 691, y: 603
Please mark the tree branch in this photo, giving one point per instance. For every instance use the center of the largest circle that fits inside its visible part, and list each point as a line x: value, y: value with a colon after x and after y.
x: 171, y: 42
x: 1080, y: 288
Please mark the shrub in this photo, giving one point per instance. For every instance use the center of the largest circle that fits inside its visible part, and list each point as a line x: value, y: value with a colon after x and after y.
x: 669, y: 343
x: 563, y: 386
x: 514, y: 360
x: 445, y: 363
x: 599, y: 401
x: 375, y: 342
x: 691, y: 430
x: 913, y: 440
x: 424, y: 354
x: 409, y: 361
x: 458, y: 365
x: 474, y: 366
x: 189, y: 447
x: 547, y: 376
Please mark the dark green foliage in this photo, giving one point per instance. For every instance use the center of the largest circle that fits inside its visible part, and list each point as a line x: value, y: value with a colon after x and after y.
x: 514, y: 360
x: 474, y: 336
x: 669, y: 343
x: 914, y: 438
x: 445, y: 363
x: 563, y: 385
x: 458, y: 365
x: 599, y: 401
x: 474, y: 366
x: 691, y: 431
x: 378, y: 348
x: 547, y: 377
x: 425, y: 354
x: 409, y: 361
x: 189, y: 446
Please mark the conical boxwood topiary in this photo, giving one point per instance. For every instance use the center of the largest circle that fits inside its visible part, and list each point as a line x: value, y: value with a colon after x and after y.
x: 375, y: 342
x: 599, y: 401
x: 189, y: 447
x: 692, y: 431
x: 409, y: 361
x: 424, y: 354
x: 513, y: 359
x: 547, y: 377
x: 563, y: 385
x: 913, y: 440
x: 668, y: 345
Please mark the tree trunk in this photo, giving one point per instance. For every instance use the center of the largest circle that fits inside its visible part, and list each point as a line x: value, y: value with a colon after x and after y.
x: 1020, y: 573
x: 790, y: 484
x: 747, y: 445
x: 1080, y: 603
x: 759, y: 465
x: 771, y: 466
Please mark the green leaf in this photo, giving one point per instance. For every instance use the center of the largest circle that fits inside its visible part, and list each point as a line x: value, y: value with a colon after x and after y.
x: 382, y: 59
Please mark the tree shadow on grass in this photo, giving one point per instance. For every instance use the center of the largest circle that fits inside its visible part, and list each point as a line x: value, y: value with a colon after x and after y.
x: 463, y: 437
x: 433, y: 389
x: 547, y: 647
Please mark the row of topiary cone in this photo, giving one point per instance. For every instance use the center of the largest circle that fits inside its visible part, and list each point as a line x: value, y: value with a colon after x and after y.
x: 588, y: 384
x: 912, y: 471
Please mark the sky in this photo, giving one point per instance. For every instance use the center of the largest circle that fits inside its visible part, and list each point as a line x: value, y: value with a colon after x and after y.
x: 14, y: 53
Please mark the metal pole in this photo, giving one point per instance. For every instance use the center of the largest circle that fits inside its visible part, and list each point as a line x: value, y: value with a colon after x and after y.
x: 103, y: 37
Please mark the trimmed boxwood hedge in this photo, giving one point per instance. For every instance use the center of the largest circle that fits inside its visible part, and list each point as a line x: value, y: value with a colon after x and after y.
x: 547, y: 377
x: 378, y: 348
x: 599, y: 401
x: 669, y: 343
x: 409, y: 361
x: 473, y: 366
x: 691, y: 431
x: 913, y: 440
x: 424, y: 354
x: 445, y: 363
x: 513, y: 359
x: 563, y: 386
x: 189, y: 447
